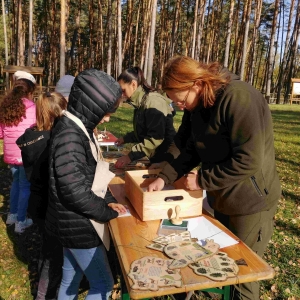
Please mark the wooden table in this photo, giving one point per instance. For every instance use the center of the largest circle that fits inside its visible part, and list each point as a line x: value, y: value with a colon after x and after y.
x: 131, y: 235
x: 110, y: 141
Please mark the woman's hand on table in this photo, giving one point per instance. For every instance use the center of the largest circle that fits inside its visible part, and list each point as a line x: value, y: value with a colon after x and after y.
x: 119, y: 208
x: 191, y: 182
x: 119, y: 142
x: 122, y: 161
x: 157, y: 185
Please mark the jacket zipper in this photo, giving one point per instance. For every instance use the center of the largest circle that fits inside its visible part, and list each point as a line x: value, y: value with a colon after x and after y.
x: 256, y: 185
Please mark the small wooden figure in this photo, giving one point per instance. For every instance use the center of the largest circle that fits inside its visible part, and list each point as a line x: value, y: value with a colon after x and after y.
x: 176, y: 220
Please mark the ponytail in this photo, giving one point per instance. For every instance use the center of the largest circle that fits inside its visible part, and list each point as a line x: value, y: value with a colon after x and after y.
x: 135, y: 73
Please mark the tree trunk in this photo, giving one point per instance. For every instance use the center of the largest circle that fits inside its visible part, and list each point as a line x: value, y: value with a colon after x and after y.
x: 271, y: 57
x: 119, y: 37
x: 245, y: 41
x: 62, y: 38
x: 194, y: 29
x: 109, y: 28
x: 175, y: 26
x: 228, y: 35
x: 136, y: 34
x: 75, y: 34
x: 151, y: 42
x: 293, y: 52
x: 282, y: 67
x: 200, y: 31
x: 5, y: 41
x: 255, y: 41
x: 29, y: 63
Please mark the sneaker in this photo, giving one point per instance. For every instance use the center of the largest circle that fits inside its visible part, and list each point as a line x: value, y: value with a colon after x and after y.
x: 11, y: 219
x: 21, y: 226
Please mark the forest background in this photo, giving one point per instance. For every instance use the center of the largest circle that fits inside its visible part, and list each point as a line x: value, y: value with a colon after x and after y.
x: 259, y: 40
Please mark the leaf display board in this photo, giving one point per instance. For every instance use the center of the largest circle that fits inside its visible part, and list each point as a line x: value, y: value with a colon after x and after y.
x: 185, y: 253
x: 217, y: 267
x: 151, y: 273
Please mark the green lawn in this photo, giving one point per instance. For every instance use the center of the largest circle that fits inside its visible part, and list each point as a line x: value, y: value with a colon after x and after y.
x: 17, y: 273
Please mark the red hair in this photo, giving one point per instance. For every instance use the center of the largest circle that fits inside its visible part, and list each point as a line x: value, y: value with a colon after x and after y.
x: 182, y: 72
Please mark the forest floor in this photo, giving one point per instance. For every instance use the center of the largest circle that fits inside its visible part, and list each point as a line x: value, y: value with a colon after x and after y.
x: 19, y: 253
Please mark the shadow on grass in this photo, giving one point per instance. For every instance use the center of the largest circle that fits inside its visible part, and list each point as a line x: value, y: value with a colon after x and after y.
x: 288, y: 161
x: 292, y: 229
x: 289, y: 195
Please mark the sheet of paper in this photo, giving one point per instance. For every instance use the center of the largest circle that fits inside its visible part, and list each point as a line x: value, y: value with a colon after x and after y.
x: 205, y: 204
x: 127, y: 214
x: 202, y: 229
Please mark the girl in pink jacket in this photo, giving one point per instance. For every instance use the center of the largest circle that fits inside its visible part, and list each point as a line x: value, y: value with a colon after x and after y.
x: 17, y: 113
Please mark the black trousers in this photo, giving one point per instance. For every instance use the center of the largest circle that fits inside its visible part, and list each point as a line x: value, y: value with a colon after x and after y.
x: 51, y: 262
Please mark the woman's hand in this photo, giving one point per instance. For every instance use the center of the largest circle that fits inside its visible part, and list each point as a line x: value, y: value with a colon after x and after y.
x: 119, y: 142
x: 122, y: 161
x: 119, y: 208
x: 157, y: 185
x: 191, y: 182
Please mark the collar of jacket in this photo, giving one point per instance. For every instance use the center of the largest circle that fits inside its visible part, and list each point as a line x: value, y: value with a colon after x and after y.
x: 137, y: 96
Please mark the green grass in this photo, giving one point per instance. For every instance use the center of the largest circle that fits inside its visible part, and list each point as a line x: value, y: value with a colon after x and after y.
x: 17, y: 274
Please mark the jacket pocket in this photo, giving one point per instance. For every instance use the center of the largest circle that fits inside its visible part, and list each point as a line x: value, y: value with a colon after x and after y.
x: 253, y: 180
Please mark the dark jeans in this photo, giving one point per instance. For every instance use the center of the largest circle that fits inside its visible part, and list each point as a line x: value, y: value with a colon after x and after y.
x: 51, y: 263
x: 255, y: 231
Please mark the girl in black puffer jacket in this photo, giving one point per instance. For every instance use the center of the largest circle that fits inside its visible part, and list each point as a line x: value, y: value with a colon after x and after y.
x: 72, y: 203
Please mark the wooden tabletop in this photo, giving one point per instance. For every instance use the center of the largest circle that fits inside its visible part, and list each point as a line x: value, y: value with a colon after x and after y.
x: 131, y: 236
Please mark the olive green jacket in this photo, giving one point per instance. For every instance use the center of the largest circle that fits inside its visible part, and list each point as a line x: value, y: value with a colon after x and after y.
x: 153, y: 129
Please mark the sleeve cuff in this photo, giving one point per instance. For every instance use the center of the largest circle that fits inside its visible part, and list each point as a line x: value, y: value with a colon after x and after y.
x: 168, y: 174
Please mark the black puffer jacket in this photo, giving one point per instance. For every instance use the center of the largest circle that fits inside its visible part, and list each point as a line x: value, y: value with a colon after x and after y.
x: 72, y: 166
x: 34, y: 147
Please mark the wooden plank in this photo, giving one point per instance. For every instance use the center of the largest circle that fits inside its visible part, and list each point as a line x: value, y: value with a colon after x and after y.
x: 32, y: 70
x: 131, y: 236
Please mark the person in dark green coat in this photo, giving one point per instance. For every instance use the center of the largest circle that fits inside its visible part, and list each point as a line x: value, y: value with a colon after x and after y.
x: 153, y: 129
x: 227, y: 130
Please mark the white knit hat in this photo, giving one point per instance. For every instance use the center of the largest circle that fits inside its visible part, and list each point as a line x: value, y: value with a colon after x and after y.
x: 64, y: 85
x: 24, y: 75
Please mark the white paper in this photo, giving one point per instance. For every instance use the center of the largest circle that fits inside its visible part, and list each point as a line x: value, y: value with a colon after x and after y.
x: 202, y: 229
x: 205, y: 204
x: 127, y: 214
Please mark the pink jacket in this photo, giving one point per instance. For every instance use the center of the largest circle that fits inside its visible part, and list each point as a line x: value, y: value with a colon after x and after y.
x: 12, y: 153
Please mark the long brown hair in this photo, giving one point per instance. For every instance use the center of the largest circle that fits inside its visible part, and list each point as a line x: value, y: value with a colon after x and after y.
x: 48, y: 107
x: 182, y: 72
x: 12, y: 108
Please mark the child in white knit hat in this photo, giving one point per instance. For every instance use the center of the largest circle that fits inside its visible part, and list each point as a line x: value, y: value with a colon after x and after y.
x: 17, y: 113
x: 24, y: 75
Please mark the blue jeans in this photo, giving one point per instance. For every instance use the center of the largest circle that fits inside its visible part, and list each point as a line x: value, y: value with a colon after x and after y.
x: 94, y: 264
x: 19, y: 192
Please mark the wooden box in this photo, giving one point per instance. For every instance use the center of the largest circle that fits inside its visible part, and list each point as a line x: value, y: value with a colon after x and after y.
x: 160, y: 204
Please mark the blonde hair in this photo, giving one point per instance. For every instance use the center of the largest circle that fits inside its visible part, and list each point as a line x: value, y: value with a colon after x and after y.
x: 48, y: 107
x: 182, y: 72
